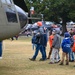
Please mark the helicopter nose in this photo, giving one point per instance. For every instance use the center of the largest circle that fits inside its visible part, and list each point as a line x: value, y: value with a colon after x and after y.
x: 22, y: 19
x: 22, y: 16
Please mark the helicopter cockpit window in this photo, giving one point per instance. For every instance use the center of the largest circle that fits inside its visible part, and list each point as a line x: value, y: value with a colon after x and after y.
x: 11, y: 14
x: 10, y: 11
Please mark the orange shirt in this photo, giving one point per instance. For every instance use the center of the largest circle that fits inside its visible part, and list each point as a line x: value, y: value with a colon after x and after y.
x: 73, y: 48
x: 51, y: 37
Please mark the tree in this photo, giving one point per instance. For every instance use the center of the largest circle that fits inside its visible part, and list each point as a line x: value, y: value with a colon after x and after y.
x: 54, y: 10
x: 63, y: 9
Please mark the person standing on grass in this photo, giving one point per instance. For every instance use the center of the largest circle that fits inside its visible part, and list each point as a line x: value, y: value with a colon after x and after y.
x: 66, y: 48
x: 73, y: 47
x: 45, y: 42
x: 51, y: 37
x: 71, y: 56
x: 55, y: 48
x: 34, y: 40
x: 40, y: 43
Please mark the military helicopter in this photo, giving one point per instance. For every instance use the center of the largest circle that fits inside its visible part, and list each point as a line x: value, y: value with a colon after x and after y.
x: 12, y: 18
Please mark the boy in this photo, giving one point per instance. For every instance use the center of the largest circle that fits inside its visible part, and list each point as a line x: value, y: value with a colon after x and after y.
x: 66, y: 48
x: 55, y: 49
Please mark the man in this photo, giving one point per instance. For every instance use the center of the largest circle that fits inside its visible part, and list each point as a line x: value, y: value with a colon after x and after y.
x: 45, y: 42
x: 40, y: 43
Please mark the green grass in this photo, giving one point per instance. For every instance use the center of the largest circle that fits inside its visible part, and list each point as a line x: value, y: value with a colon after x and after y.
x: 16, y: 61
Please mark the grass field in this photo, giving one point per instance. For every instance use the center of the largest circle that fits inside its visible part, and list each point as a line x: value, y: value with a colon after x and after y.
x: 16, y: 61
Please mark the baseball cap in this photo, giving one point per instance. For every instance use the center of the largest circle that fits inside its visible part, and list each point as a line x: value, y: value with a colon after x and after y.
x: 39, y: 23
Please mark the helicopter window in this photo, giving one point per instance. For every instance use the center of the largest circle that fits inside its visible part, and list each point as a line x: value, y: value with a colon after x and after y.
x: 11, y: 14
x: 10, y: 11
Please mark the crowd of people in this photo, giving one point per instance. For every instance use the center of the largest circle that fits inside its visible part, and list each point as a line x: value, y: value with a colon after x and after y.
x: 40, y: 39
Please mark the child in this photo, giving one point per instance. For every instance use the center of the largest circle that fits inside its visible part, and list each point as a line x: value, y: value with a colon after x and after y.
x: 66, y: 48
x: 51, y: 37
x: 71, y: 55
x: 55, y: 49
x: 33, y: 40
x: 73, y: 47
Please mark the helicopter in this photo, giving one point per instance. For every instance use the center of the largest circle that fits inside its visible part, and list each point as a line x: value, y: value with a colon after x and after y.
x: 12, y: 18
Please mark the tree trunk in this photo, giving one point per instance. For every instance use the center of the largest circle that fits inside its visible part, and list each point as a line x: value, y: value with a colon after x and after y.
x: 64, y: 29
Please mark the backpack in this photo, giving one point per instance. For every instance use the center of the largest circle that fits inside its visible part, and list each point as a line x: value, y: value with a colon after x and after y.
x: 35, y: 39
x: 66, y: 43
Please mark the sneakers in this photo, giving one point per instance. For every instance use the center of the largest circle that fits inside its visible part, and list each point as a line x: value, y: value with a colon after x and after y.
x: 48, y: 58
x: 51, y: 63
x: 0, y: 57
x: 67, y: 63
x: 61, y: 63
x: 71, y: 60
x: 57, y: 61
x: 42, y: 59
x: 31, y: 59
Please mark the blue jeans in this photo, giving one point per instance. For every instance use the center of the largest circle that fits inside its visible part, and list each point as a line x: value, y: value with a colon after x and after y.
x: 45, y: 52
x: 71, y: 55
x: 58, y: 56
x: 0, y: 49
x: 39, y: 47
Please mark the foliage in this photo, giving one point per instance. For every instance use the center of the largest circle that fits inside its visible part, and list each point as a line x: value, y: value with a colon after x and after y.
x: 54, y: 10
